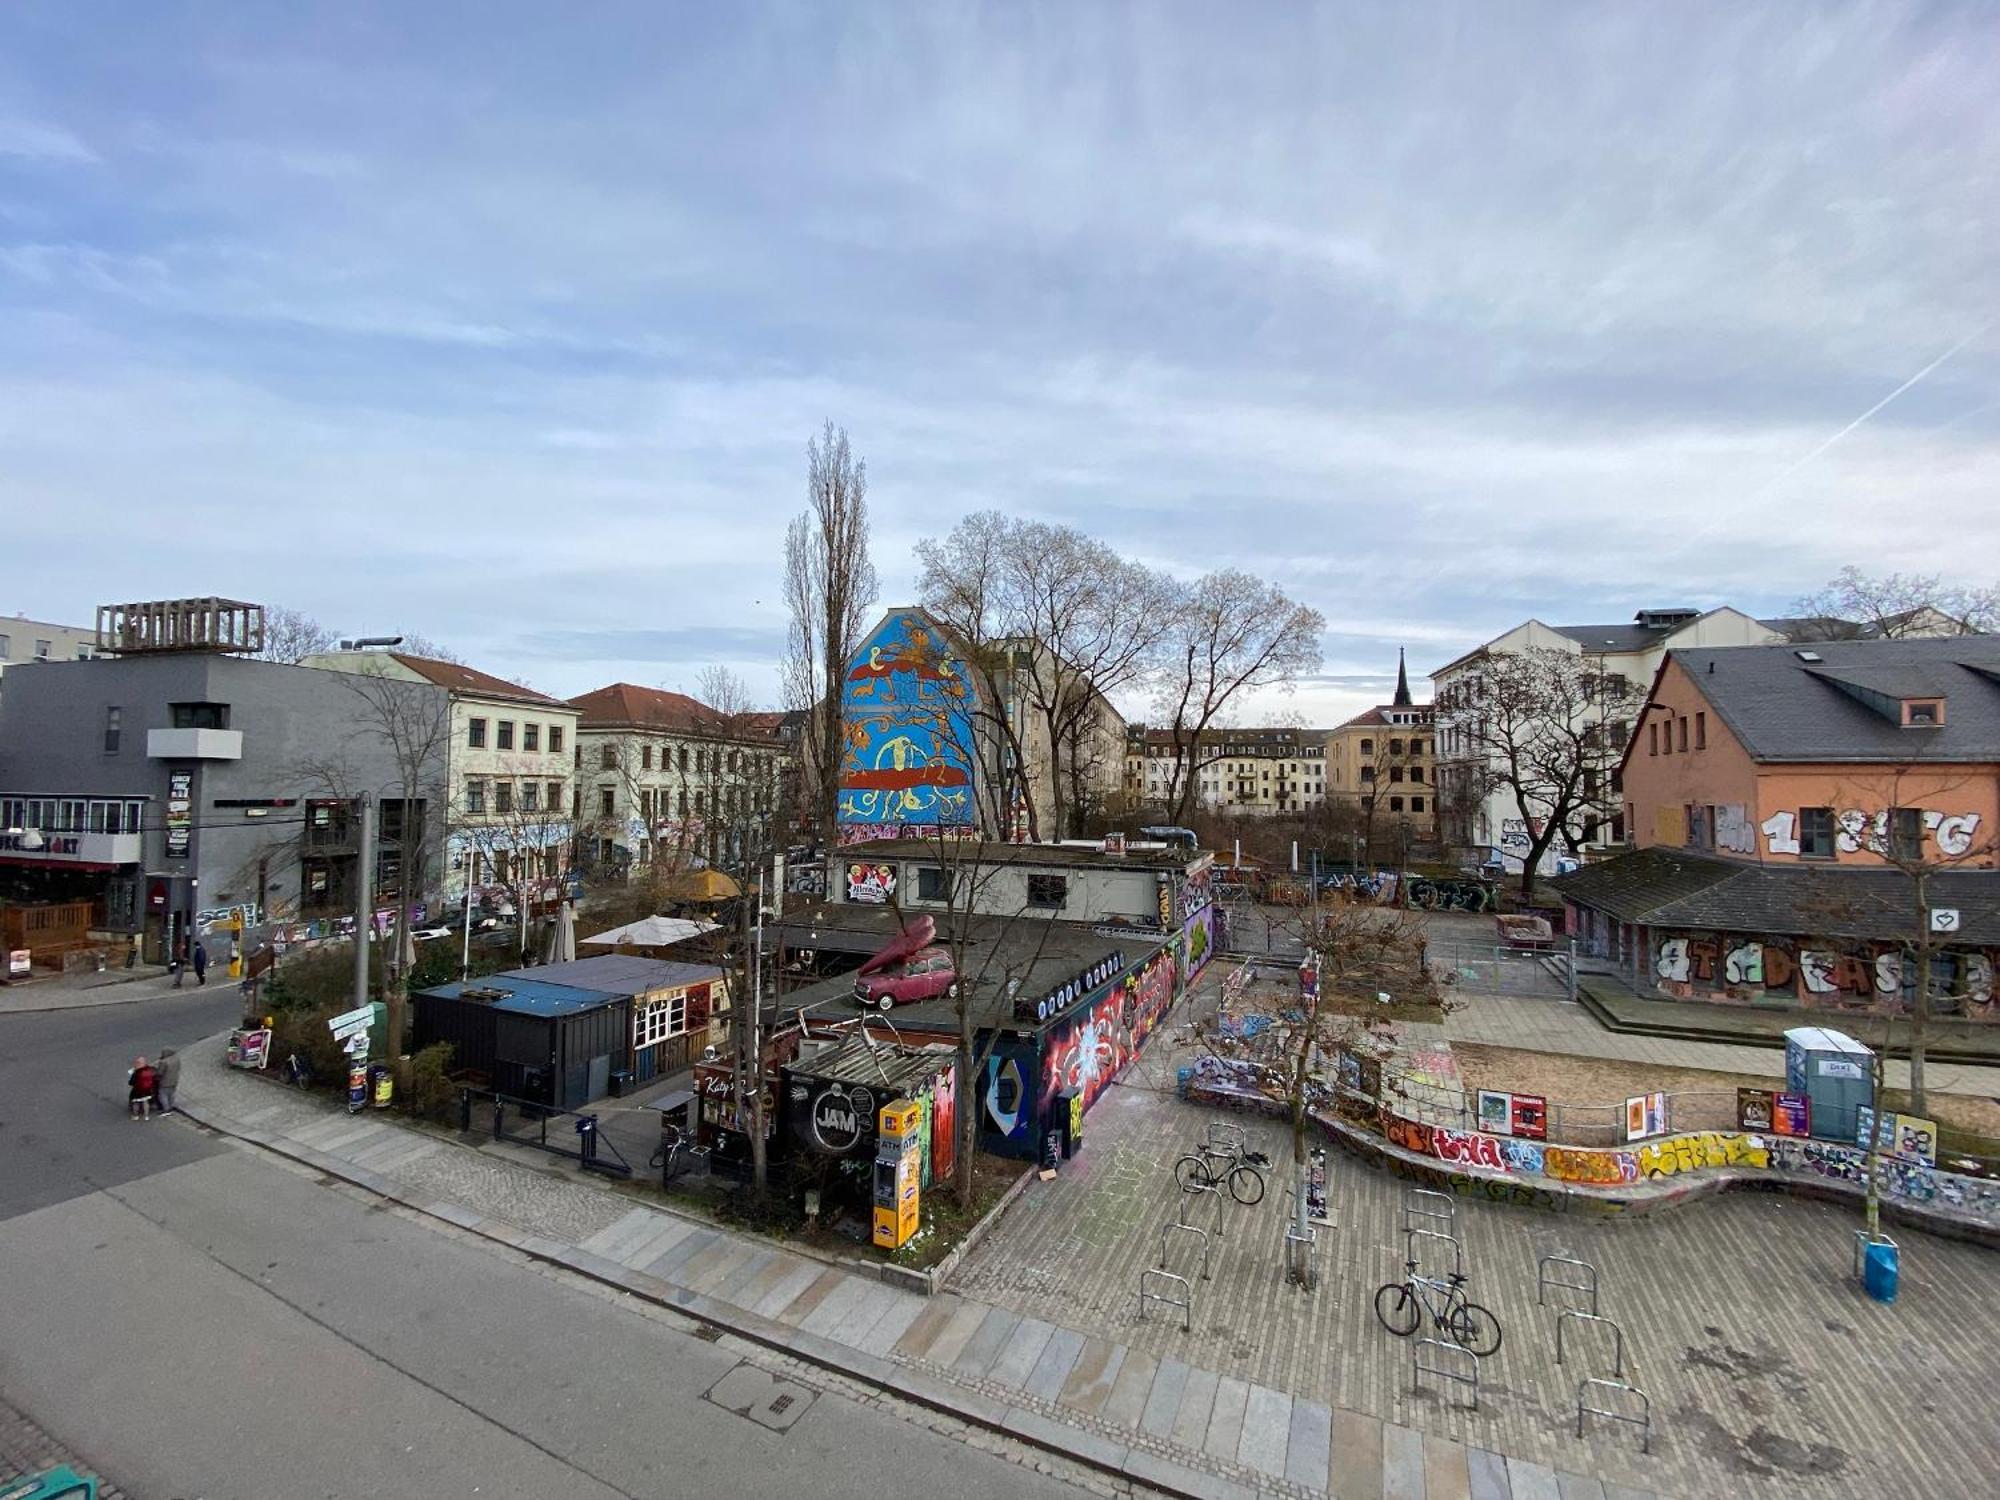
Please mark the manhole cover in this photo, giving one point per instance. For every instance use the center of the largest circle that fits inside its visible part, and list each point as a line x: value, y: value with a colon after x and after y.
x: 761, y: 1396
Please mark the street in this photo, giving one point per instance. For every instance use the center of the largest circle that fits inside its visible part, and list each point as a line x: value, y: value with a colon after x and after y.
x: 193, y: 1319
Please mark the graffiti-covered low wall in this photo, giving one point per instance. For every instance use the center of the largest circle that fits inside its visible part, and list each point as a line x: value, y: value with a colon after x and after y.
x: 1872, y: 978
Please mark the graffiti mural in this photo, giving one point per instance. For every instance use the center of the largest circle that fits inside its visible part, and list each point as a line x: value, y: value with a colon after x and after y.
x: 906, y: 729
x: 1004, y: 1098
x: 1873, y: 977
x: 1088, y: 1049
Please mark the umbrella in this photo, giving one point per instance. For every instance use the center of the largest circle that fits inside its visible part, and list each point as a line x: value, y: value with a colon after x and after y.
x: 702, y: 886
x: 562, y: 936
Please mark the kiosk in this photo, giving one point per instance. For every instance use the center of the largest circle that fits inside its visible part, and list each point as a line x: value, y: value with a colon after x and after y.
x: 899, y: 1148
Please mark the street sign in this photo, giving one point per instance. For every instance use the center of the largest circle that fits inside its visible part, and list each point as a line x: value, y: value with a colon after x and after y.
x: 347, y: 1033
x: 1944, y: 919
x: 357, y: 1045
x: 348, y: 1019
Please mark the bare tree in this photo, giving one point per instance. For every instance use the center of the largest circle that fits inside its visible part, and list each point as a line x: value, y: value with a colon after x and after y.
x: 1856, y: 605
x: 291, y: 635
x: 517, y: 822
x: 422, y: 645
x: 1230, y: 633
x: 829, y: 586
x: 1534, y: 724
x: 1054, y: 622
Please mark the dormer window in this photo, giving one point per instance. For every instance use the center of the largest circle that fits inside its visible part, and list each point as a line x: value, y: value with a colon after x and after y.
x: 1923, y: 713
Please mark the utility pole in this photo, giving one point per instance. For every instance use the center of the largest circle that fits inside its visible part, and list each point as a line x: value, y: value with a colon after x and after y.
x: 364, y: 898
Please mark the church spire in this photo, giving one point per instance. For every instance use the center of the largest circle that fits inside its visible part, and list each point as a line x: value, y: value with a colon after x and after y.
x: 1402, y: 699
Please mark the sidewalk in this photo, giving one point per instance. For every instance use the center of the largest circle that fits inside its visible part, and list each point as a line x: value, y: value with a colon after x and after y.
x: 1174, y: 1426
x: 77, y: 991
x: 26, y: 1449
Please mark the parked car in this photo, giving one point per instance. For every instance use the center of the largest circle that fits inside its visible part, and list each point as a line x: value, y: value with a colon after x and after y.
x: 924, y: 975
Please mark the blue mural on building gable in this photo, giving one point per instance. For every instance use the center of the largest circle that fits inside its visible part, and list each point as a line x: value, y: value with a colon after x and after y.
x: 906, y: 728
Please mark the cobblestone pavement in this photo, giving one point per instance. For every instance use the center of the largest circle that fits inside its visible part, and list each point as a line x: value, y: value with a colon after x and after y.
x: 1152, y: 1408
x: 1770, y: 1374
x: 26, y: 1449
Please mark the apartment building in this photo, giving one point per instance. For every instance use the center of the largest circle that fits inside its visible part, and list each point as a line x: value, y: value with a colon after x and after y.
x: 1236, y: 771
x: 662, y: 777
x: 511, y: 759
x: 1480, y: 818
x: 23, y: 641
x: 1383, y: 762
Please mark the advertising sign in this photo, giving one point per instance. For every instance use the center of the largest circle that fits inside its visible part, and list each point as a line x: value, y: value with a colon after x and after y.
x: 1530, y: 1116
x: 20, y: 963
x: 1645, y: 1115
x: 836, y: 1119
x: 1496, y: 1112
x: 1791, y: 1114
x: 1755, y: 1109
x: 180, y: 813
x: 250, y: 1049
x: 872, y: 885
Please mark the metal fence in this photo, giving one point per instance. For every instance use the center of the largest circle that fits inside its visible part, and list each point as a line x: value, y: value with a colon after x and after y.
x: 1491, y: 968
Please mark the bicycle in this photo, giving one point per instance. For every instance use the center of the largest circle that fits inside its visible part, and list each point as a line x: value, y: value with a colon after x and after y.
x: 1400, y: 1307
x: 673, y: 1145
x: 1199, y: 1171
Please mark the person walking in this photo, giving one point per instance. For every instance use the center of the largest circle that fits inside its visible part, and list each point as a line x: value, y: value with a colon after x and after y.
x: 167, y: 1079
x: 174, y: 963
x: 141, y: 1085
x: 200, y: 962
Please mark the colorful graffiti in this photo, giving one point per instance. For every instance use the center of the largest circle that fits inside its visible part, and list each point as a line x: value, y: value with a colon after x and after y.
x: 906, y: 728
x: 1005, y: 1098
x: 1873, y: 977
x: 1088, y: 1049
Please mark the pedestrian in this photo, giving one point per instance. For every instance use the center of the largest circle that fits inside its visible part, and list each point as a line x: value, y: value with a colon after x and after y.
x: 200, y: 962
x: 174, y: 963
x: 140, y: 1086
x: 168, y: 1078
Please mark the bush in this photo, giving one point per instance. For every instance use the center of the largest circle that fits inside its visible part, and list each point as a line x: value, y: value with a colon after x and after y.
x: 304, y: 1031
x: 432, y: 1095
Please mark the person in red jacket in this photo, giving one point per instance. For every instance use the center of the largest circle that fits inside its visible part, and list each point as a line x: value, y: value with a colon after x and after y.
x: 140, y: 1085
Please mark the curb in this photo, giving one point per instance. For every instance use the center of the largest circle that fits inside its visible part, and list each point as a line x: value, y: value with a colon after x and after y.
x: 1090, y: 1449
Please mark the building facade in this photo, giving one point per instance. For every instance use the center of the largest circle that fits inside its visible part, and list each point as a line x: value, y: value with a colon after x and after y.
x: 663, y: 779
x: 24, y: 641
x: 169, y: 788
x: 1480, y: 818
x: 1383, y: 763
x: 511, y: 757
x: 1252, y: 772
x: 1809, y: 823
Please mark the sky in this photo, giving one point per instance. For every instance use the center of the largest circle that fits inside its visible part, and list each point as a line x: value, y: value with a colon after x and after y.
x: 508, y: 323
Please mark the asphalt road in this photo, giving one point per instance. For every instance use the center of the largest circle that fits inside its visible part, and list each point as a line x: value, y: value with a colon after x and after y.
x: 197, y: 1320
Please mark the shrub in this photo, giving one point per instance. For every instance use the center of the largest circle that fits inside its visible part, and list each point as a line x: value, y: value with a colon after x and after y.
x: 304, y: 1031
x: 432, y: 1095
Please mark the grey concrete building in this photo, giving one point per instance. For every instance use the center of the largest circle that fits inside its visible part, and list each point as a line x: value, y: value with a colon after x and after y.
x: 170, y: 785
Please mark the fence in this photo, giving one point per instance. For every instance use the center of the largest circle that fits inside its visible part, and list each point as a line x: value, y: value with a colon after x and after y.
x: 1491, y: 968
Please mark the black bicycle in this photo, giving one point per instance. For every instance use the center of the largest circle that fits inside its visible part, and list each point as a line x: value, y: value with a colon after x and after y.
x: 1401, y: 1306
x: 673, y: 1148
x: 1200, y: 1171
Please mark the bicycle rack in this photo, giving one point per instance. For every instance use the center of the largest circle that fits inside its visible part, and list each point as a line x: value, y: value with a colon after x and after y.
x: 1411, y: 1236
x: 1467, y: 1374
x: 1421, y: 1203
x: 1185, y: 1301
x: 1644, y: 1421
x: 1546, y: 1281
x: 1863, y: 1238
x: 1298, y: 1254
x: 1618, y: 1349
x: 1212, y: 1194
x: 1225, y: 1136
x: 1167, y: 1230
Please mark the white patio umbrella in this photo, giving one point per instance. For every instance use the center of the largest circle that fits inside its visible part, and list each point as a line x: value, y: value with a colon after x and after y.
x: 562, y: 936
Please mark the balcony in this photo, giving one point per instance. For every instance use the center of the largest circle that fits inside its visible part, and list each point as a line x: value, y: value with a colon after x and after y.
x: 194, y: 744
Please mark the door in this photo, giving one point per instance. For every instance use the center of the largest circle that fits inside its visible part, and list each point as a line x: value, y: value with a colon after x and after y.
x: 600, y: 1077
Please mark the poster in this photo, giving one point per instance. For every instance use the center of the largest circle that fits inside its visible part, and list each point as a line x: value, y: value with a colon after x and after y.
x: 1755, y: 1109
x: 1916, y: 1139
x: 1792, y: 1115
x: 1496, y: 1112
x: 1645, y: 1115
x: 872, y: 885
x: 1316, y: 1188
x: 1530, y: 1116
x: 180, y: 813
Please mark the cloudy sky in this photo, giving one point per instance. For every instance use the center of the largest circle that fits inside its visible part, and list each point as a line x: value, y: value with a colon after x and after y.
x: 508, y: 323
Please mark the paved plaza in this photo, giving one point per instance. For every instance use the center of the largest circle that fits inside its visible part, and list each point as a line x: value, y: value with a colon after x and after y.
x: 1768, y: 1371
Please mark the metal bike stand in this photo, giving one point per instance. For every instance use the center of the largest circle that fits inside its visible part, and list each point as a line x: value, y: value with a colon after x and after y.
x: 1298, y: 1254
x: 1548, y: 1279
x: 1169, y: 1230
x: 1212, y: 1195
x: 1644, y: 1421
x: 1225, y: 1136
x: 1167, y: 1279
x: 1863, y: 1238
x: 1563, y: 1319
x: 1411, y: 1236
x: 1466, y: 1373
x: 1423, y: 1203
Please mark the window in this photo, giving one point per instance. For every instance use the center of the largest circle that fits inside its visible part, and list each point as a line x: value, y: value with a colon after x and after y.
x: 555, y: 796
x: 697, y: 804
x: 1906, y: 833
x: 504, y: 740
x: 1923, y: 713
x: 1701, y: 731
x: 555, y: 739
x: 931, y: 884
x: 684, y: 800
x: 113, y: 719
x: 42, y: 649
x: 1367, y: 747
x: 1395, y: 804
x: 531, y: 738
x: 1681, y: 734
x: 684, y: 763
x: 604, y: 801
x: 661, y: 1019
x: 1048, y: 890
x: 1700, y: 826
x: 645, y: 757
x: 6, y: 648
x: 1416, y: 804
x: 607, y: 758
x: 1416, y: 773
x: 200, y: 715
x: 1395, y: 747
x: 1653, y: 739
x: 475, y: 734
x: 1816, y: 832
x: 503, y: 796
x: 475, y: 797
x: 530, y: 796
x: 1395, y: 773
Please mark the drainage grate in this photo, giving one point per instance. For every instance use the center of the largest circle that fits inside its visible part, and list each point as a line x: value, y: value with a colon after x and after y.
x: 761, y: 1397
x: 708, y: 1333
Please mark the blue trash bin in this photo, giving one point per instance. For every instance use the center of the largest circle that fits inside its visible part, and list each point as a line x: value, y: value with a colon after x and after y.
x: 1879, y: 1272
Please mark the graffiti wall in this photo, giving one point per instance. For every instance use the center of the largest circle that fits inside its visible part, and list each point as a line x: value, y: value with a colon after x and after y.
x: 1006, y: 1099
x: 1089, y: 1048
x: 1197, y: 944
x: 1868, y: 977
x: 906, y: 729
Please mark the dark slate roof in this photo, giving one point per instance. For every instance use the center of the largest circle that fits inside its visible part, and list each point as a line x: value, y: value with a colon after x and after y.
x: 1784, y: 708
x: 1628, y: 636
x: 1672, y: 889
